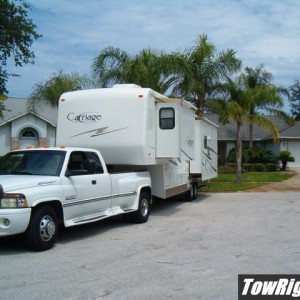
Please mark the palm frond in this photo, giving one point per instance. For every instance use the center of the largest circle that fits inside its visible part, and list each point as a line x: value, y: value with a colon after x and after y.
x: 267, y: 124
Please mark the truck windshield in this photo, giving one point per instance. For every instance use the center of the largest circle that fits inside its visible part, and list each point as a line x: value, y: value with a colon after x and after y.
x: 45, y: 162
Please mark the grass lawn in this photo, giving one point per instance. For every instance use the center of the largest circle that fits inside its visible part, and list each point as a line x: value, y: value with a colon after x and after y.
x: 250, y: 180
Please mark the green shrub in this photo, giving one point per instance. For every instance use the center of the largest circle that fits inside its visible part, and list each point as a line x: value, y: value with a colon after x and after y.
x: 248, y: 167
x: 227, y: 169
x: 271, y: 167
x: 259, y: 167
x: 252, y: 155
x: 221, y: 161
x: 285, y: 157
x: 230, y: 168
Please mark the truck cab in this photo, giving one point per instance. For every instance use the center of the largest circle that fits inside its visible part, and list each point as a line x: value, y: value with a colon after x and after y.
x: 41, y: 188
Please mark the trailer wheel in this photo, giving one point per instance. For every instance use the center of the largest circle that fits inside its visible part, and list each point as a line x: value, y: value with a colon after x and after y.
x: 191, y: 194
x: 42, y: 229
x: 195, y: 190
x: 143, y: 212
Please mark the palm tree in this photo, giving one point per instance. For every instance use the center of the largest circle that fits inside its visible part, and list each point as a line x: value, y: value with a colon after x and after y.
x: 109, y: 66
x: 285, y: 157
x: 262, y: 95
x: 192, y: 75
x: 49, y: 92
x: 113, y: 66
x: 2, y: 106
x: 196, y: 73
x: 295, y: 100
x: 235, y: 107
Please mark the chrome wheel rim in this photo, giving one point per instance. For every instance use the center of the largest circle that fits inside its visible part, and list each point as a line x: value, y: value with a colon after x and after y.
x: 144, y: 207
x: 47, y: 228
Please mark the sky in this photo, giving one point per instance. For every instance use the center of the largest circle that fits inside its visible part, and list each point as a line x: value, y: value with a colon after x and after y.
x: 74, y: 32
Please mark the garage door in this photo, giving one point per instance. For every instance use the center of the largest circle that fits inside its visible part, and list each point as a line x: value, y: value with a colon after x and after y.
x: 294, y: 148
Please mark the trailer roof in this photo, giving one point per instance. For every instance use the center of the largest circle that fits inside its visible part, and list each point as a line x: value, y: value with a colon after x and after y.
x: 207, y: 120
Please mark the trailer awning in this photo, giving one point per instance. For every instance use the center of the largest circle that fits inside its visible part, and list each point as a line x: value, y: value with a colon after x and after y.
x: 175, y: 100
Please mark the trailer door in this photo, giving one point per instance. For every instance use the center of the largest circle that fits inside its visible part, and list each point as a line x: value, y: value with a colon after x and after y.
x: 167, y: 130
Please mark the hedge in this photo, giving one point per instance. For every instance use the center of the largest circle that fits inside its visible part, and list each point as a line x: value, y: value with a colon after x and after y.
x: 258, y: 167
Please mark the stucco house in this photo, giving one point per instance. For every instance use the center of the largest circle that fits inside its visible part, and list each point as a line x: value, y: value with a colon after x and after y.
x: 20, y: 128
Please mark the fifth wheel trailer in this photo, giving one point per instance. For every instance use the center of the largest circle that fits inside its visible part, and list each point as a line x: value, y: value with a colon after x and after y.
x: 205, y: 163
x: 136, y: 129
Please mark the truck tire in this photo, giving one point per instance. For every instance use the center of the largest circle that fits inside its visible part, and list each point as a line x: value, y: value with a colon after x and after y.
x: 143, y: 212
x: 41, y: 233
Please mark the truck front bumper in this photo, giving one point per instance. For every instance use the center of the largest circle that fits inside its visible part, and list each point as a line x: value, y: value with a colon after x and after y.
x: 14, y: 221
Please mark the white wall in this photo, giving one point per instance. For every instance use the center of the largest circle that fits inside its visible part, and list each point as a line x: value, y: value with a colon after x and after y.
x: 51, y: 135
x: 294, y: 147
x: 230, y: 145
x: 290, y: 145
x: 14, y: 128
x: 5, y: 140
x: 29, y: 121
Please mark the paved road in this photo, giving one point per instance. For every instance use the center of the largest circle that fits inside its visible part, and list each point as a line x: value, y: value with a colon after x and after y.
x: 186, y: 251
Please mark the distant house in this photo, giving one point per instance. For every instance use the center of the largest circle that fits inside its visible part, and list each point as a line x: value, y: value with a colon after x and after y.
x: 289, y: 138
x: 20, y: 128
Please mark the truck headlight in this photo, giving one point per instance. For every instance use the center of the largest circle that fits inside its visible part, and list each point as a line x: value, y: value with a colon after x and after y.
x: 13, y: 201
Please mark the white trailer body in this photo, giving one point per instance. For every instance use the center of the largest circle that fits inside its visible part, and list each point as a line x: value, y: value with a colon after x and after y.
x: 131, y: 125
x: 205, y: 163
x: 134, y: 128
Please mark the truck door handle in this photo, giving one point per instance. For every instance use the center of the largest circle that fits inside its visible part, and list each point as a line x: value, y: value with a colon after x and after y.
x: 94, y: 181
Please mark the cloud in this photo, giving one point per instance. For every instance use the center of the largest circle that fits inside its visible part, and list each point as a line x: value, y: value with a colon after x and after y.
x: 260, y: 31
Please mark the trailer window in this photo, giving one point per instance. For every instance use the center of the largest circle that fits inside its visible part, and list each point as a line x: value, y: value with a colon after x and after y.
x: 166, y: 118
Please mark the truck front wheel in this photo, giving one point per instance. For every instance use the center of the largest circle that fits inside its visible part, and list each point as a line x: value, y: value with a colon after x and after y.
x: 143, y: 212
x: 42, y: 229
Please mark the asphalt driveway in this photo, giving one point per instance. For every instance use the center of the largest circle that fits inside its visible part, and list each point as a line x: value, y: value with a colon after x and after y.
x: 186, y: 251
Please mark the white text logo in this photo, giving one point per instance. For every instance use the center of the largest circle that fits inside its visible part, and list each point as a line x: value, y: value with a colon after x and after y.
x: 251, y: 286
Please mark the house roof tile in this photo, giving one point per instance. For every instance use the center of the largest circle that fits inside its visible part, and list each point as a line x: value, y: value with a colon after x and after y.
x: 17, y: 107
x: 228, y: 131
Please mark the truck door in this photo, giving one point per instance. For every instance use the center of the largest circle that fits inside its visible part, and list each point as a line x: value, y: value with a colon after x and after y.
x: 87, y: 188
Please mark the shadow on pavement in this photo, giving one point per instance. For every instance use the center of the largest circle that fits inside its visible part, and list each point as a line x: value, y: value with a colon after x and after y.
x: 160, y: 207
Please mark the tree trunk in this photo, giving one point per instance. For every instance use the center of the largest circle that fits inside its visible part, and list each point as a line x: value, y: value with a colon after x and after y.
x: 200, y: 108
x: 200, y: 105
x: 284, y: 163
x: 251, y: 135
x: 239, y: 152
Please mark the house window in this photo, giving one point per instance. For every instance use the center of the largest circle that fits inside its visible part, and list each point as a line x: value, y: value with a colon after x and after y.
x: 28, y: 137
x: 28, y: 133
x: 166, y: 118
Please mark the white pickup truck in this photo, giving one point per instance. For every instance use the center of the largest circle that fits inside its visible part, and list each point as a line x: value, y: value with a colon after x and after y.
x: 41, y: 188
